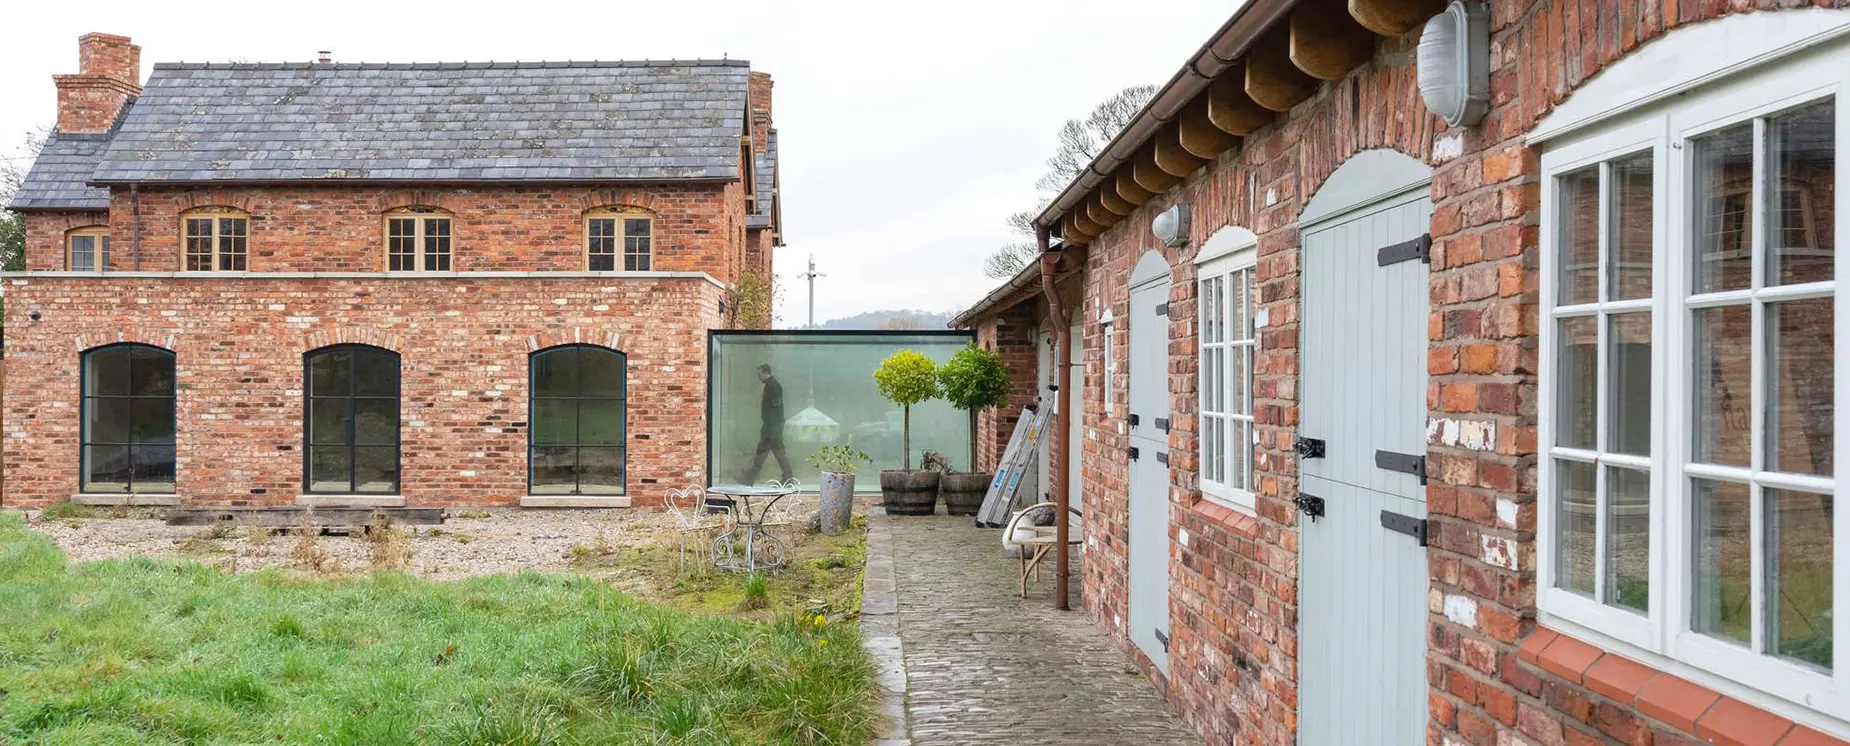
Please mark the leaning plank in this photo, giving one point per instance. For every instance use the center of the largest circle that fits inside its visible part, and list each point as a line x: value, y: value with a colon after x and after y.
x: 291, y: 516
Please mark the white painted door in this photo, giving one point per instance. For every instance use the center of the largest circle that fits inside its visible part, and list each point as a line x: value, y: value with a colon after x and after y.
x: 1363, y: 581
x: 1149, y: 462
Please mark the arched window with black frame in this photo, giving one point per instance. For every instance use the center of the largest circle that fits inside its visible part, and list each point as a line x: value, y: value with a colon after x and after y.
x: 351, y: 420
x: 576, y: 425
x: 128, y: 420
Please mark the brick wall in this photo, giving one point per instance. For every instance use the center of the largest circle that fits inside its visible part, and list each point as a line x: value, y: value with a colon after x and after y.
x: 1234, y: 598
x: 463, y: 345
x: 109, y: 76
x: 1010, y: 334
x: 698, y: 228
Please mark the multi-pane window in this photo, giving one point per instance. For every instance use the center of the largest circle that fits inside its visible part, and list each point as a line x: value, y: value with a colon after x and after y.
x: 619, y: 239
x: 1688, y: 381
x: 215, y: 240
x: 87, y: 249
x: 1228, y: 348
x: 417, y: 239
x: 128, y: 419
x: 352, y: 420
x: 576, y: 443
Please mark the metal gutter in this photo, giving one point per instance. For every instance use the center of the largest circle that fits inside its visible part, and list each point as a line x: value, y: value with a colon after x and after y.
x: 1214, y: 57
x: 1029, y: 275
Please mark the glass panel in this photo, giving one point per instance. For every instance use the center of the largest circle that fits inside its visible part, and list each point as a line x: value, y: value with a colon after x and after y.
x: 150, y: 372
x: 1799, y: 574
x: 1210, y: 310
x: 829, y: 398
x: 1721, y: 218
x: 375, y: 373
x: 1800, y: 431
x: 1723, y: 597
x: 151, y: 420
x: 437, y: 245
x: 555, y: 421
x: 1628, y: 538
x: 104, y: 264
x: 1723, y: 369
x: 375, y: 469
x: 603, y: 263
x: 600, y: 422
x: 1576, y: 513
x: 600, y: 372
x: 330, y: 373
x: 108, y: 420
x: 636, y: 241
x: 1629, y: 249
x: 600, y: 471
x: 1802, y: 243
x: 1241, y: 452
x: 153, y: 468
x: 1211, y: 449
x: 107, y: 371
x: 106, y: 468
x: 83, y: 253
x: 330, y: 468
x: 555, y: 372
x: 375, y: 421
x: 1578, y: 367
x: 327, y: 421
x: 554, y: 470
x: 1628, y: 385
x: 1242, y: 380
x: 1578, y: 281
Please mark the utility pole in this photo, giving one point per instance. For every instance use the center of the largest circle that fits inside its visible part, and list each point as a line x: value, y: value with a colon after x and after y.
x: 811, y: 276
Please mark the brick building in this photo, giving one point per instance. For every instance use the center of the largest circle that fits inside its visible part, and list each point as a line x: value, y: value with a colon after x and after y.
x: 1518, y: 430
x: 385, y: 284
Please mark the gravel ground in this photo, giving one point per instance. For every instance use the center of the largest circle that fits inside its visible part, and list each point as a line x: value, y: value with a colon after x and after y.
x: 470, y: 542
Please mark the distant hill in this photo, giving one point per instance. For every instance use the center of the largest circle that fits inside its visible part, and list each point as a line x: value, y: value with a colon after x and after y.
x: 892, y: 320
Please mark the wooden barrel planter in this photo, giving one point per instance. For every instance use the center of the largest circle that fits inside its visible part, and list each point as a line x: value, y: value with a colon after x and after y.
x: 907, y: 492
x: 963, y: 491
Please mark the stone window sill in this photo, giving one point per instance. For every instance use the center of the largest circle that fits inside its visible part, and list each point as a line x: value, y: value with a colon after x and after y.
x: 127, y: 500
x: 350, y: 501
x: 574, y: 501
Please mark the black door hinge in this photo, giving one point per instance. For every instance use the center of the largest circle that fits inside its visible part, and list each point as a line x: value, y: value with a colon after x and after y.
x: 1404, y: 524
x: 1162, y: 309
x: 1308, y: 447
x: 1163, y: 638
x: 1162, y: 457
x: 1162, y: 423
x: 1133, y: 450
x: 1402, y: 462
x: 1406, y: 251
x: 1310, y: 505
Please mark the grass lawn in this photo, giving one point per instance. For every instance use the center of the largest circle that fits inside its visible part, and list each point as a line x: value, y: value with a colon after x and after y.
x: 149, y: 651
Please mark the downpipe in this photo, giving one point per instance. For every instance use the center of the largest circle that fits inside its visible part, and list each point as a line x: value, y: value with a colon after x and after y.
x: 1057, y: 457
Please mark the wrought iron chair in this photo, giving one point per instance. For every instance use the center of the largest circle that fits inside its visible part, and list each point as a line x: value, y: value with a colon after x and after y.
x: 697, y: 518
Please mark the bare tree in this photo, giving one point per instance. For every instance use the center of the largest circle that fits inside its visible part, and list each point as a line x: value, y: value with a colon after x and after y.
x: 12, y: 224
x: 1080, y: 140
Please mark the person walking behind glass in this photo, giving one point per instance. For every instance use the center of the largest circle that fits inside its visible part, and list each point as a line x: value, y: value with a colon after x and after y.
x: 771, y: 433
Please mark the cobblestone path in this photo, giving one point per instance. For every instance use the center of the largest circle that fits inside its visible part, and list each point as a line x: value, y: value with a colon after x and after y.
x: 986, y: 667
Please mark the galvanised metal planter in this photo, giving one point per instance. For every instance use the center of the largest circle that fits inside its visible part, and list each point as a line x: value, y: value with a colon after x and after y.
x: 837, y: 504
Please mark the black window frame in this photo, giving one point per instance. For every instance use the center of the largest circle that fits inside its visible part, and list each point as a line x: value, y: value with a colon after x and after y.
x: 622, y: 400
x: 352, y: 446
x: 84, y: 397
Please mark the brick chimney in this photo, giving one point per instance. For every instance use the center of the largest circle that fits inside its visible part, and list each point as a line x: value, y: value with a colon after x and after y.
x: 760, y: 93
x: 108, y: 77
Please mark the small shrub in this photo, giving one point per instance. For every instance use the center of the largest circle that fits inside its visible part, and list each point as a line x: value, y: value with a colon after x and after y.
x: 66, y: 510
x: 307, y: 553
x: 390, y: 548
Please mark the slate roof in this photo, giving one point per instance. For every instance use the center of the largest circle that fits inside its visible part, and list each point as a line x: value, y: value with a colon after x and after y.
x: 765, y: 168
x: 57, y: 179
x: 551, y: 121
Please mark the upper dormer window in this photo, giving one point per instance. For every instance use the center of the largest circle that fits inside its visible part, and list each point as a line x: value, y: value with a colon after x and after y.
x: 614, y: 235
x: 417, y: 239
x: 217, y: 238
x: 87, y: 249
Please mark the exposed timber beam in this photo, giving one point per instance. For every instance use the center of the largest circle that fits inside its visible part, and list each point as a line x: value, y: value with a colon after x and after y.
x: 1230, y: 109
x: 1109, y: 199
x: 1147, y: 175
x: 1198, y: 134
x: 1394, y: 17
x: 1170, y: 155
x: 1326, y: 42
x: 1071, y: 233
x: 1128, y: 188
x: 1271, y: 79
x: 1085, y: 224
x: 1097, y: 212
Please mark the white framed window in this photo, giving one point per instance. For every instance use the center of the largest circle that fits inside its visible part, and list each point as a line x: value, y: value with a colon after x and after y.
x: 1227, y: 346
x: 1691, y: 382
x: 1106, y: 327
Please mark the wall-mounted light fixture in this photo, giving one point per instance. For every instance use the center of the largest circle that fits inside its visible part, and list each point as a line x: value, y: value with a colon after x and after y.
x: 1171, y: 227
x: 1454, y: 63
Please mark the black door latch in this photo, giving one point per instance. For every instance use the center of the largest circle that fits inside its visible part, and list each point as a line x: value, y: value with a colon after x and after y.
x: 1164, y: 639
x: 1308, y: 447
x: 1310, y: 505
x: 1133, y: 450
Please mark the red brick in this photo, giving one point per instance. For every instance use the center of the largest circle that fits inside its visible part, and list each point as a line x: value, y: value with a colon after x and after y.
x: 1675, y: 701
x: 1533, y: 645
x: 1568, y: 658
x: 1731, y: 722
x: 1618, y: 678
x: 1803, y: 736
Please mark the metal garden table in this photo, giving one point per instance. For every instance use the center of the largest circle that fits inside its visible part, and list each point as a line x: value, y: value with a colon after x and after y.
x: 745, y: 545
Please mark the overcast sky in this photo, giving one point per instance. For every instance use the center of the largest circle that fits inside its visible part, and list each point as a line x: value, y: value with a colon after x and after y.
x: 907, y: 131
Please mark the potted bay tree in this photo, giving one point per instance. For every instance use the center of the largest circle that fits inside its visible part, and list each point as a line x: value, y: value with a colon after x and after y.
x: 907, y: 378
x: 974, y: 379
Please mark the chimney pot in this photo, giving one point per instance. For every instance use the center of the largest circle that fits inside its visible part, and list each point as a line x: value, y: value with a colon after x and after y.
x: 326, y: 57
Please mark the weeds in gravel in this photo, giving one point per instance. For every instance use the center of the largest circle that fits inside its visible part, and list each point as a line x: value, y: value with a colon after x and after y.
x: 307, y: 553
x: 168, y: 652
x: 389, y: 548
x: 66, y: 511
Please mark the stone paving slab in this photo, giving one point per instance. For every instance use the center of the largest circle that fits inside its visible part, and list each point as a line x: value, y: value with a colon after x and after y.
x: 983, y: 666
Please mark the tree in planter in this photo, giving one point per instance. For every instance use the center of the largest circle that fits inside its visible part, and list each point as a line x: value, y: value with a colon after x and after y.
x: 907, y: 378
x: 973, y: 380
